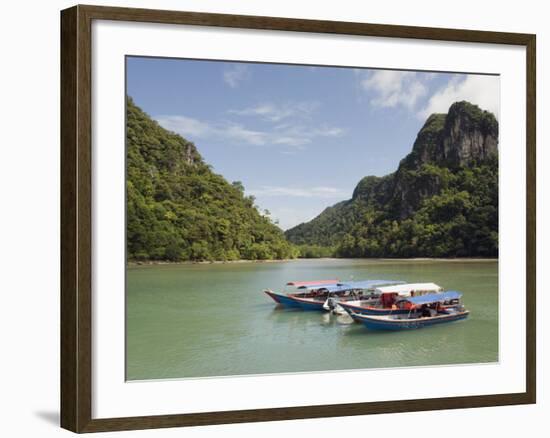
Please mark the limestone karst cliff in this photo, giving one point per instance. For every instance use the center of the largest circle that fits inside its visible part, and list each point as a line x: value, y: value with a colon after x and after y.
x: 444, y: 189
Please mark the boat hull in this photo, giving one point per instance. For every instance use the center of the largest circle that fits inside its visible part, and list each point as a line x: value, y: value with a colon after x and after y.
x: 377, y: 323
x: 309, y: 304
x: 295, y: 302
x: 283, y: 300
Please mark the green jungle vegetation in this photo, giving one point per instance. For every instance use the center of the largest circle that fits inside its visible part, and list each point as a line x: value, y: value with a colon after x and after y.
x: 460, y: 221
x: 178, y: 209
x: 442, y: 201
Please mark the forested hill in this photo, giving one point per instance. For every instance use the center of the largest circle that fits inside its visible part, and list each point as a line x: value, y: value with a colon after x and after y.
x: 179, y: 209
x: 442, y: 201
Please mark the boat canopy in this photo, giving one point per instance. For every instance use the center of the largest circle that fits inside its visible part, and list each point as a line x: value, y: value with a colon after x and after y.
x: 367, y: 284
x: 331, y: 288
x: 407, y: 288
x: 336, y: 287
x: 349, y: 285
x: 304, y: 284
x: 435, y: 298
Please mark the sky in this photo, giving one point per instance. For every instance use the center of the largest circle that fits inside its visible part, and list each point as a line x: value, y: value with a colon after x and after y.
x: 299, y: 138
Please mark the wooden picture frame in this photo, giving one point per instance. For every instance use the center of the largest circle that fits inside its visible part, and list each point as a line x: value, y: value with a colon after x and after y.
x: 76, y: 217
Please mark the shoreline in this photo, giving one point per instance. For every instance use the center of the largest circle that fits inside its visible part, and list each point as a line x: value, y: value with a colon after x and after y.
x: 134, y: 263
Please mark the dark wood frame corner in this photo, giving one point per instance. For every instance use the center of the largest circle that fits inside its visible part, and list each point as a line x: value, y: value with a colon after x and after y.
x: 76, y: 222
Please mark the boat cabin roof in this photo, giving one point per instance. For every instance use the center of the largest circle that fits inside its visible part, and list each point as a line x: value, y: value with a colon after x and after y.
x: 407, y: 288
x: 434, y: 298
x: 349, y: 285
x: 367, y: 284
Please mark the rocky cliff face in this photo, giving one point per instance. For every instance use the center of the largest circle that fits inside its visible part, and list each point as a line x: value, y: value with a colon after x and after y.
x: 463, y: 138
x: 469, y: 136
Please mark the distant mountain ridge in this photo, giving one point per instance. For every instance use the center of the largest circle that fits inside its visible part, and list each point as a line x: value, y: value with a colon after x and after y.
x: 441, y: 201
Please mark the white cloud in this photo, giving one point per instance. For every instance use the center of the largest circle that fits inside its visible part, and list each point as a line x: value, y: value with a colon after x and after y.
x: 284, y: 134
x: 480, y: 90
x: 193, y: 128
x: 412, y: 90
x: 310, y: 192
x: 239, y: 133
x: 393, y: 88
x: 292, y: 141
x: 235, y: 74
x: 299, y: 135
x: 185, y: 126
x: 330, y: 132
x: 275, y: 113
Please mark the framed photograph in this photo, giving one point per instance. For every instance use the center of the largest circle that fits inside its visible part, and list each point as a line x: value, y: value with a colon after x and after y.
x: 269, y: 218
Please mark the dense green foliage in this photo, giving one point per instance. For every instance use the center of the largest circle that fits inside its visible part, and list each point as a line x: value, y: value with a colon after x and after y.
x: 462, y: 220
x: 434, y: 205
x: 179, y: 209
x: 315, y: 251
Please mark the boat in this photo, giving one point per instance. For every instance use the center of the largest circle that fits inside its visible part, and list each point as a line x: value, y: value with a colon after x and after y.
x: 423, y: 311
x: 323, y: 295
x: 355, y: 291
x: 303, y: 289
x: 383, y: 299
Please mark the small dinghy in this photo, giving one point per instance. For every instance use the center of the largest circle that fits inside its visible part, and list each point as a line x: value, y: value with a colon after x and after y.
x: 423, y: 311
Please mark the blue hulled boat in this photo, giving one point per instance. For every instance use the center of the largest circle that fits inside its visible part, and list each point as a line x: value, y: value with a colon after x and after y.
x: 424, y: 311
x: 305, y: 294
x: 324, y: 295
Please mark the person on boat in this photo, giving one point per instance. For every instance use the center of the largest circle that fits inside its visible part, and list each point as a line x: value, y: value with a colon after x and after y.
x: 425, y: 312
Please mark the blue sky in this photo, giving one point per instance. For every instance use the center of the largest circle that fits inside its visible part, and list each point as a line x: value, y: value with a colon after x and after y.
x: 298, y: 137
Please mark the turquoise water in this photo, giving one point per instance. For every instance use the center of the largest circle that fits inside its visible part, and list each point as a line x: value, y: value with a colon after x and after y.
x: 198, y: 320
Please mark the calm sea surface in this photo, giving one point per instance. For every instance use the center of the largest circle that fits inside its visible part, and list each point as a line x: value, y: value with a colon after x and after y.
x: 213, y: 320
